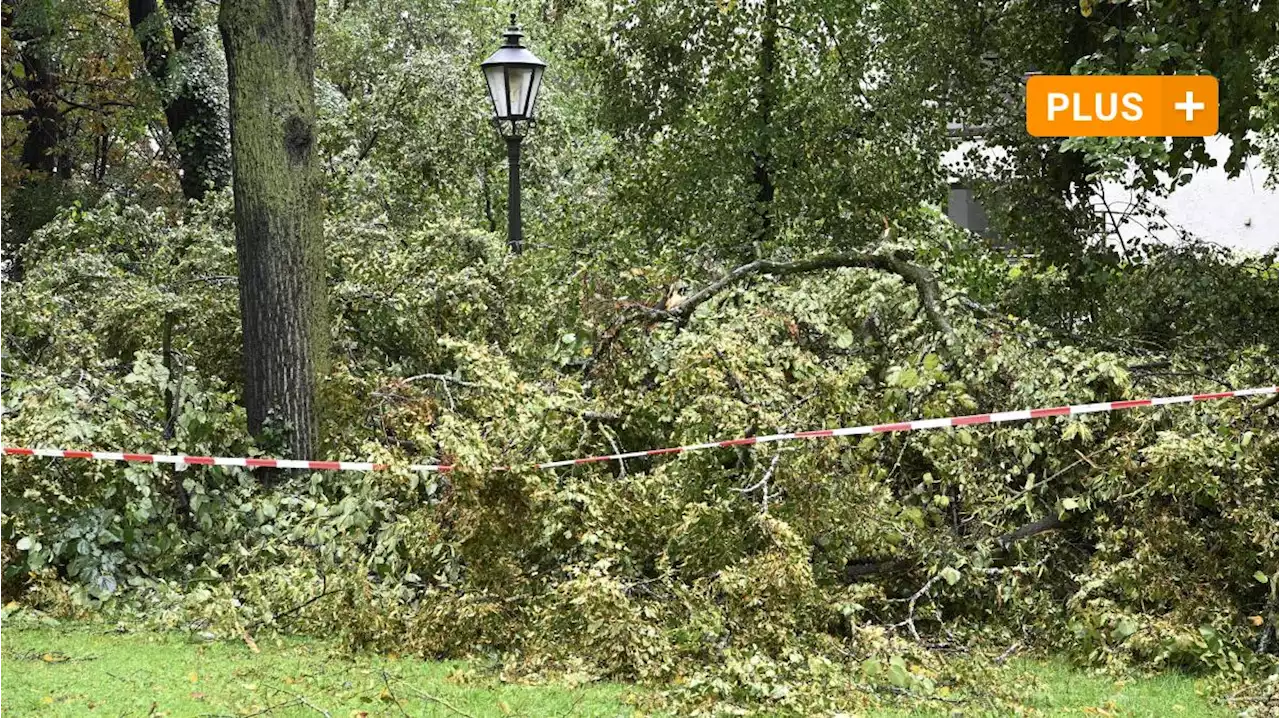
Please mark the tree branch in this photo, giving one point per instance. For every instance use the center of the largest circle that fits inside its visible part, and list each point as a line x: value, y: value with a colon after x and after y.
x: 1048, y: 523
x: 442, y: 378
x: 853, y: 572
x: 926, y: 284
x: 1271, y: 401
x: 101, y: 107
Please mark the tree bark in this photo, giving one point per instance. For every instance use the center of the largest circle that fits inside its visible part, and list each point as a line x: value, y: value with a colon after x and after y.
x: 762, y: 156
x: 145, y: 20
x: 44, y: 121
x: 190, y: 76
x: 279, y: 241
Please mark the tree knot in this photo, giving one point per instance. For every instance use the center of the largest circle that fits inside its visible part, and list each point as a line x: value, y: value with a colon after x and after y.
x: 298, y: 139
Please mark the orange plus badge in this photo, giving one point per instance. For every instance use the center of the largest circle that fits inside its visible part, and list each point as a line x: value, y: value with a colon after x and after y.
x: 1122, y: 106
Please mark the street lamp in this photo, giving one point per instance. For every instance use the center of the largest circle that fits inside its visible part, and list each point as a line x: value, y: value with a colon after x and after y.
x: 514, y: 76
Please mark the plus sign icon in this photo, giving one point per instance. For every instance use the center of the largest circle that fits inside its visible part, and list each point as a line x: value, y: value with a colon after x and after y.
x: 1122, y: 106
x: 1189, y: 106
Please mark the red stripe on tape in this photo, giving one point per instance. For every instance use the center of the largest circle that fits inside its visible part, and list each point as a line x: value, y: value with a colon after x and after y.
x: 903, y: 426
x: 207, y: 460
x: 268, y: 463
x: 77, y: 454
x: 738, y: 442
x: 1130, y: 403
x: 1219, y: 395
x: 146, y: 458
x: 672, y: 450
x: 972, y: 419
x: 1055, y: 411
x: 19, y: 452
x: 590, y: 459
x: 325, y: 465
x: 814, y: 434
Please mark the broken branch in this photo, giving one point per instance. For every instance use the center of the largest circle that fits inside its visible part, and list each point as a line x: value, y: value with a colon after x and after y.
x: 923, y: 279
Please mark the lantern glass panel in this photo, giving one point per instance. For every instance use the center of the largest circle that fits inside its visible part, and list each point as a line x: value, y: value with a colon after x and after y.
x: 537, y: 85
x: 495, y: 77
x: 519, y: 80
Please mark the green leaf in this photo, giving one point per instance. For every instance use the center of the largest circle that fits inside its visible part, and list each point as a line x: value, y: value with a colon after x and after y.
x: 1070, y: 504
x: 898, y: 675
x: 1125, y: 627
x: 950, y: 575
x: 914, y: 515
x: 1260, y: 577
x: 907, y: 378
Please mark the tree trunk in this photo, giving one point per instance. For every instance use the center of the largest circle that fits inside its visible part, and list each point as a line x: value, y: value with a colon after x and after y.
x: 36, y: 199
x: 190, y: 76
x: 762, y: 156
x: 146, y: 23
x: 44, y: 121
x: 279, y: 242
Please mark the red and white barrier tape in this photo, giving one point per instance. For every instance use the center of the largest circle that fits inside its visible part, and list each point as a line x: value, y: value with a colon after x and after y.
x: 919, y: 425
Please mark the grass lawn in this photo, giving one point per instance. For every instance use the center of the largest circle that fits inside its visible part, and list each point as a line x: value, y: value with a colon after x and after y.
x: 1058, y: 688
x: 1062, y: 690
x: 93, y: 671
x: 77, y: 670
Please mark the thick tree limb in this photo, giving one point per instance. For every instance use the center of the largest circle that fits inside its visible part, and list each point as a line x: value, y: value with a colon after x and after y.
x: 924, y: 280
x: 1048, y: 523
x: 926, y: 284
x: 1271, y: 401
x: 855, y: 571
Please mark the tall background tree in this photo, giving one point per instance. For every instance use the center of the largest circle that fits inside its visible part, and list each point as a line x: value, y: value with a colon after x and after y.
x: 181, y: 53
x: 769, y: 126
x: 79, y: 121
x: 31, y: 69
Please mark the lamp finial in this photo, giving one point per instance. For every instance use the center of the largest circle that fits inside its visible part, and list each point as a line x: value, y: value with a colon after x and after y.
x: 512, y: 34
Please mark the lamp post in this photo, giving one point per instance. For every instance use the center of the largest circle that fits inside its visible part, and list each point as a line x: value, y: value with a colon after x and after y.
x: 514, y: 76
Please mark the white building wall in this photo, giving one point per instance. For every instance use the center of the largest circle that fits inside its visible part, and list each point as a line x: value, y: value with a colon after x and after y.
x: 1241, y: 213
